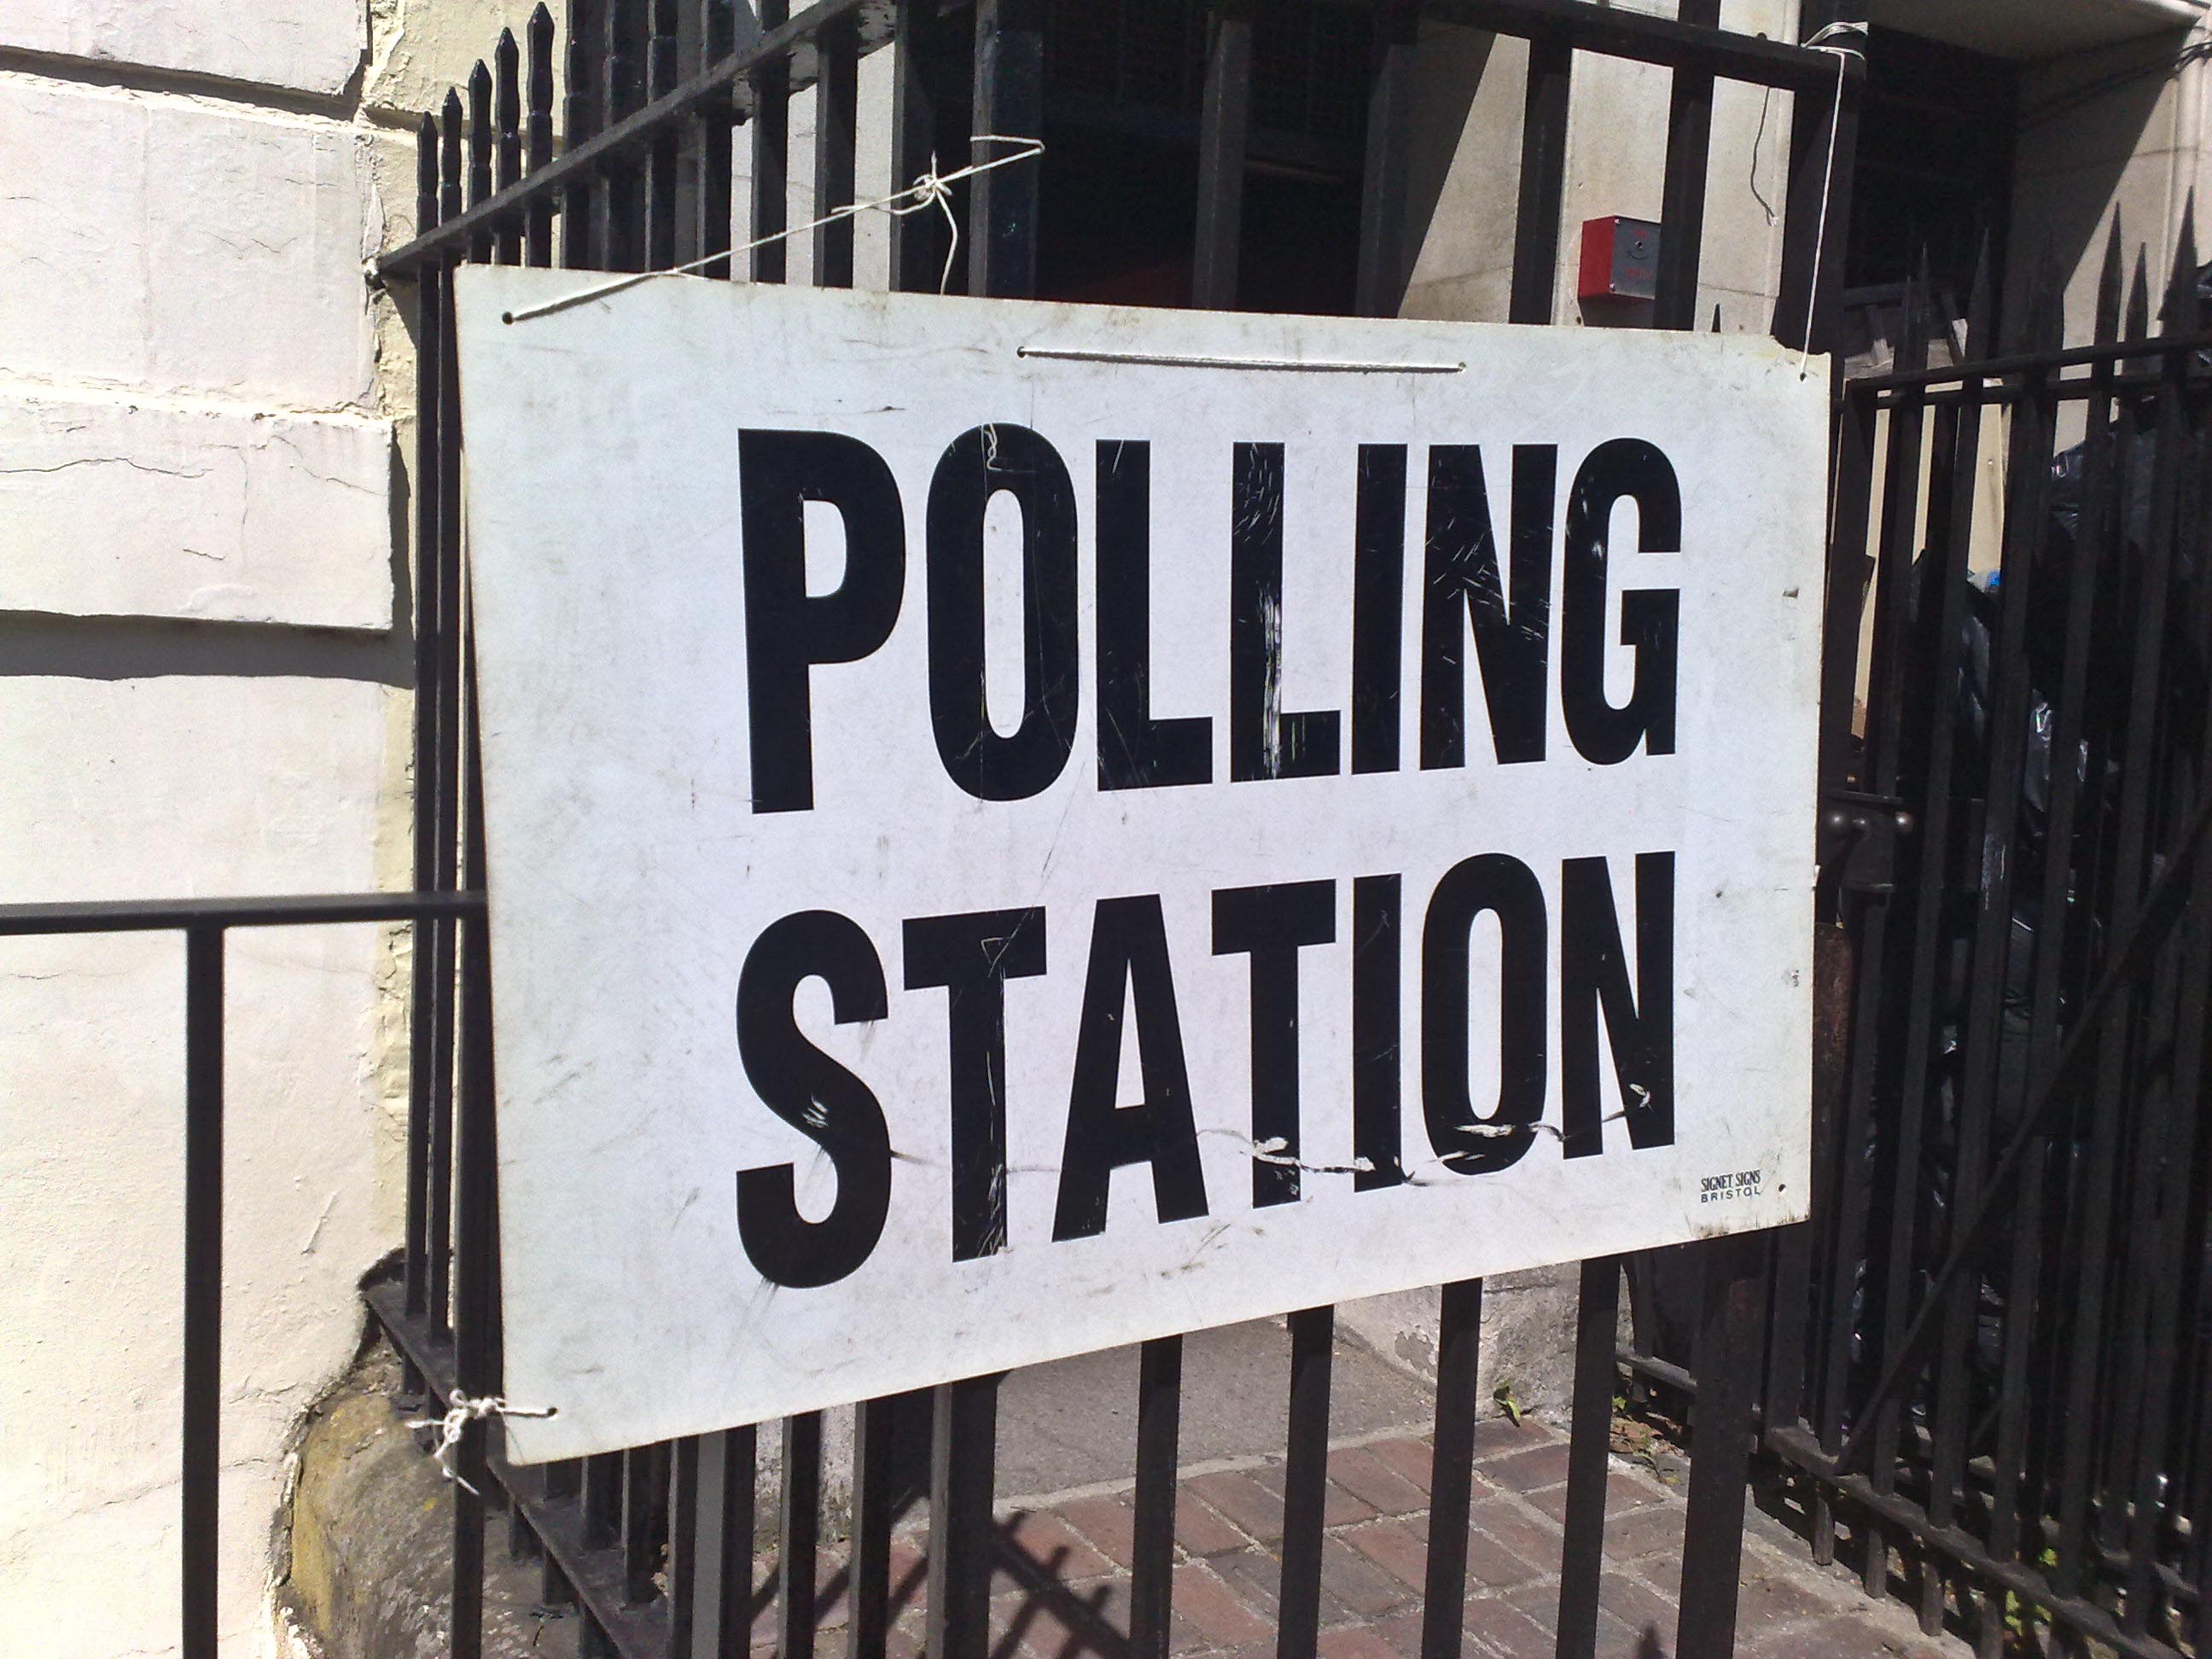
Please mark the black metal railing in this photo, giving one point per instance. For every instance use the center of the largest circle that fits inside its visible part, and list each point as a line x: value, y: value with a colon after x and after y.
x: 1994, y: 1345
x: 640, y: 176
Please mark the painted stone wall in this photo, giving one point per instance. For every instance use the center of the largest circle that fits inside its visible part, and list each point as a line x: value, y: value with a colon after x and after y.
x: 204, y: 658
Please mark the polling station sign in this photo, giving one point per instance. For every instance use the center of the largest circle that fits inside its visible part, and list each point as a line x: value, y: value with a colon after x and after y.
x: 1016, y: 828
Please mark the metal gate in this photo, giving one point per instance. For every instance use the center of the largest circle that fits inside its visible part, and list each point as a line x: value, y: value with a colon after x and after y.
x: 638, y: 178
x: 1992, y: 1348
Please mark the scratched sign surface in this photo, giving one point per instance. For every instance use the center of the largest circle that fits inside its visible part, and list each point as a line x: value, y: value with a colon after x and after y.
x: 1016, y: 829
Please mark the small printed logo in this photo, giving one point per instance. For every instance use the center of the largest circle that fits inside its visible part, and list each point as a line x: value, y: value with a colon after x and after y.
x: 1728, y: 1188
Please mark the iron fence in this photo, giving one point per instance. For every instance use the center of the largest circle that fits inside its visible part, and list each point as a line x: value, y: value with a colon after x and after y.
x: 1994, y: 1345
x: 641, y: 176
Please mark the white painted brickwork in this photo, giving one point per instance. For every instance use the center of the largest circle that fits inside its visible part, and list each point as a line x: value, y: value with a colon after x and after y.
x: 197, y: 482
x: 130, y: 506
x: 306, y: 45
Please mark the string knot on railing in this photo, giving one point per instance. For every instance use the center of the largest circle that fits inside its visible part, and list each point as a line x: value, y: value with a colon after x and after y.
x: 461, y: 1410
x: 930, y: 189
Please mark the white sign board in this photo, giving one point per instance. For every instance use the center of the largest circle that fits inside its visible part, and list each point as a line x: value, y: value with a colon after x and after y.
x: 1016, y: 828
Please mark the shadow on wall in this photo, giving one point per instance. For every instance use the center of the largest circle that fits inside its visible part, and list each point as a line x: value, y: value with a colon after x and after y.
x: 2086, y: 148
x: 1450, y: 67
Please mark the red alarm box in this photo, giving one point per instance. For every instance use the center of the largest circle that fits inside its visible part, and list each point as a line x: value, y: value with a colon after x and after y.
x: 1621, y: 259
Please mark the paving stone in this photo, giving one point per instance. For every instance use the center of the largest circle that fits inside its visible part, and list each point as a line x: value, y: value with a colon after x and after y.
x: 1243, y: 1501
x: 1637, y: 1603
x: 1646, y: 1532
x: 1491, y: 1565
x: 1394, y: 1547
x: 1357, y: 1642
x: 1257, y: 1578
x: 1540, y: 1603
x: 1766, y: 1601
x: 1533, y: 1536
x: 1108, y: 1524
x: 1216, y: 1611
x: 1200, y: 1530
x: 1364, y: 1589
x: 1375, y: 1483
x: 1497, y: 1630
x: 1053, y: 1547
x: 1844, y: 1638
x: 1622, y: 1496
x: 1529, y: 1471
x: 1494, y: 1436
x: 1340, y: 1507
x: 1408, y: 1458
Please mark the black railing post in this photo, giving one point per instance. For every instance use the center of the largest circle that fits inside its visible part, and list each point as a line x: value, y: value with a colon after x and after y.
x: 962, y: 1472
x: 1159, y: 1433
x: 1729, y: 1338
x: 1002, y: 205
x: 1582, y: 1547
x: 1305, y: 1482
x: 1451, y: 1471
x: 1225, y: 118
x: 203, y: 1389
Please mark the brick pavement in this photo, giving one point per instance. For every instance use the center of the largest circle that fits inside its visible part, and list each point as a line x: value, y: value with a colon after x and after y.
x: 1062, y: 1588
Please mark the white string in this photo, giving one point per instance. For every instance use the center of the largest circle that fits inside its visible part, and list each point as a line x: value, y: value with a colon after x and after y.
x: 931, y: 189
x: 461, y: 1410
x: 1843, y: 55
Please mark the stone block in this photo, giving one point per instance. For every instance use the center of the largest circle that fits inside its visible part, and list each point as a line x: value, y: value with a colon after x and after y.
x: 179, y: 246
x: 302, y: 45
x: 141, y: 507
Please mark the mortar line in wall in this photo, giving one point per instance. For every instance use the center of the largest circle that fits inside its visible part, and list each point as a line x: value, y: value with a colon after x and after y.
x: 342, y: 108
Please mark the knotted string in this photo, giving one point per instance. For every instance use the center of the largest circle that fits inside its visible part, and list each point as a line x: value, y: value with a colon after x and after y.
x: 931, y: 189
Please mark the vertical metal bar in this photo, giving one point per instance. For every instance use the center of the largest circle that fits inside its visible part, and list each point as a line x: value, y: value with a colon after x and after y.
x: 718, y: 36
x: 869, y: 1583
x: 644, y: 1472
x: 585, y: 84
x: 1729, y: 1340
x: 1543, y: 178
x: 1938, y: 718
x: 962, y: 1468
x: 1451, y: 1469
x: 444, y: 782
x: 1581, y: 1552
x: 771, y: 150
x: 2167, y: 1134
x: 430, y: 357
x: 1224, y: 121
x: 836, y: 94
x: 1823, y: 143
x: 603, y: 1499
x: 800, y: 1532
x: 481, y: 244
x: 1305, y: 1482
x: 506, y: 69
x: 1682, y: 213
x: 683, y: 1545
x: 662, y: 159
x: 1870, y: 1051
x: 538, y: 135
x: 201, y: 1484
x: 1159, y: 1434
x: 2017, y: 1394
x: 918, y: 240
x: 734, y: 1603
x: 1379, y: 283
x: 618, y: 236
x: 477, y: 1361
x: 1002, y: 205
